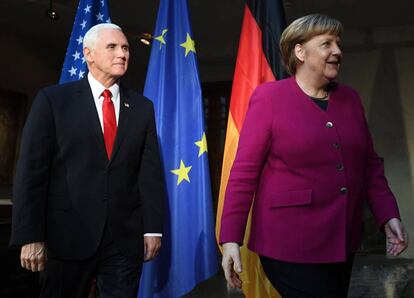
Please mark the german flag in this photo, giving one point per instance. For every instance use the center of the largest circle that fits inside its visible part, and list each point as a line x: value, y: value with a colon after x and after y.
x: 258, y: 61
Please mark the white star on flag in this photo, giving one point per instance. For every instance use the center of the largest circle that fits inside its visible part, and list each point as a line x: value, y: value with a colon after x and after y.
x: 87, y: 8
x: 73, y: 71
x: 99, y: 17
x: 79, y: 39
x: 76, y: 56
x: 83, y: 24
x: 88, y: 14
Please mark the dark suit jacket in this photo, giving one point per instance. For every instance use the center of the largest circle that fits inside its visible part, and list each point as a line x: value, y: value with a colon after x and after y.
x: 66, y: 189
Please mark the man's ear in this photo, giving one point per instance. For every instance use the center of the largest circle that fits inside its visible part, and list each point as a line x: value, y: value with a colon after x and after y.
x: 299, y: 52
x: 87, y: 53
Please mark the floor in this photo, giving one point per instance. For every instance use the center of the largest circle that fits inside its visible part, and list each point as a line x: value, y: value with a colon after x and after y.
x: 373, y: 276
x: 215, y: 287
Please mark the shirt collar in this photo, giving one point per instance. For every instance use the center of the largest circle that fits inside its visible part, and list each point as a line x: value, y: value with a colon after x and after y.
x: 97, y: 88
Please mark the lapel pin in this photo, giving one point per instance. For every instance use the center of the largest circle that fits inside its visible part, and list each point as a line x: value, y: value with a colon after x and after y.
x: 126, y: 104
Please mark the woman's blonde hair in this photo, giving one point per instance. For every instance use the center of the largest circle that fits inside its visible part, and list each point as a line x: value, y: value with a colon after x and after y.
x: 300, y: 31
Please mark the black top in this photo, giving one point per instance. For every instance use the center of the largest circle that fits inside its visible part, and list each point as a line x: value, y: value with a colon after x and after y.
x: 321, y: 102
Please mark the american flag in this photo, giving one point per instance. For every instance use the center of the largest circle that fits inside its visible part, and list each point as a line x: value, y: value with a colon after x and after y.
x: 88, y: 14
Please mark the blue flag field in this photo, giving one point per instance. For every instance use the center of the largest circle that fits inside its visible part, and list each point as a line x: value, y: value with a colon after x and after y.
x: 88, y: 14
x: 189, y: 252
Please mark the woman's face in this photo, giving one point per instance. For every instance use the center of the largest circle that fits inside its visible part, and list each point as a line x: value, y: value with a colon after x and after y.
x: 320, y: 56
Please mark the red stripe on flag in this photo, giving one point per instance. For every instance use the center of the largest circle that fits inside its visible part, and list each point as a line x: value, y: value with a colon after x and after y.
x: 252, y: 68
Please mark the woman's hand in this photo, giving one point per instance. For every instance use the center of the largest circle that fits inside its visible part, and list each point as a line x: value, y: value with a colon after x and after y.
x: 231, y: 264
x: 397, y: 238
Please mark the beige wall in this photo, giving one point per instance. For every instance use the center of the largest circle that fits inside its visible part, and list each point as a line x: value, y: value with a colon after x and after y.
x: 24, y: 67
x: 379, y: 64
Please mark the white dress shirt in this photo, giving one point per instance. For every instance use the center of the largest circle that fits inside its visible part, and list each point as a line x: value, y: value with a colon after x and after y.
x: 97, y: 89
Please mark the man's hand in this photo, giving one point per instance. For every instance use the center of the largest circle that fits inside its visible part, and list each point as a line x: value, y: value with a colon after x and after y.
x: 231, y: 264
x: 152, y: 246
x: 33, y: 256
x: 397, y: 238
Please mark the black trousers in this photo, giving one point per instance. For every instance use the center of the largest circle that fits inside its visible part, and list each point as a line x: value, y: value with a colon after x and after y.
x: 116, y: 275
x: 294, y: 280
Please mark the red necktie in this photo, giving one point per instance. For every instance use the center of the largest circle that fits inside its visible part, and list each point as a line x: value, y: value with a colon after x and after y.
x: 109, y: 121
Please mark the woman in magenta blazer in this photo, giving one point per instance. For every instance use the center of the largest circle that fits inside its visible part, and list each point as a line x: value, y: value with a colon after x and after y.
x: 306, y: 156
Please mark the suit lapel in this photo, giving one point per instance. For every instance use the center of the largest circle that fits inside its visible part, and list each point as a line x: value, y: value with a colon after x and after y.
x: 92, y: 118
x: 124, y: 113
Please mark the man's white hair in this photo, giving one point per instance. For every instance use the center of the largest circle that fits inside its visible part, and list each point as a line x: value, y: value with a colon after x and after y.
x: 91, y: 36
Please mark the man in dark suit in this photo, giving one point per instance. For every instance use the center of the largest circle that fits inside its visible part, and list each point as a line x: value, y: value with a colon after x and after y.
x: 88, y: 193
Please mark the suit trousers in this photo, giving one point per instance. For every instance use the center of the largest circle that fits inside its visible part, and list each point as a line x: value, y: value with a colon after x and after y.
x: 116, y: 275
x: 292, y: 280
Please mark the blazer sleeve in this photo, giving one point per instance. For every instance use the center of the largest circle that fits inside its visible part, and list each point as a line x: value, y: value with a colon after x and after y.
x: 30, y: 189
x: 380, y: 198
x: 151, y: 180
x: 254, y: 143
